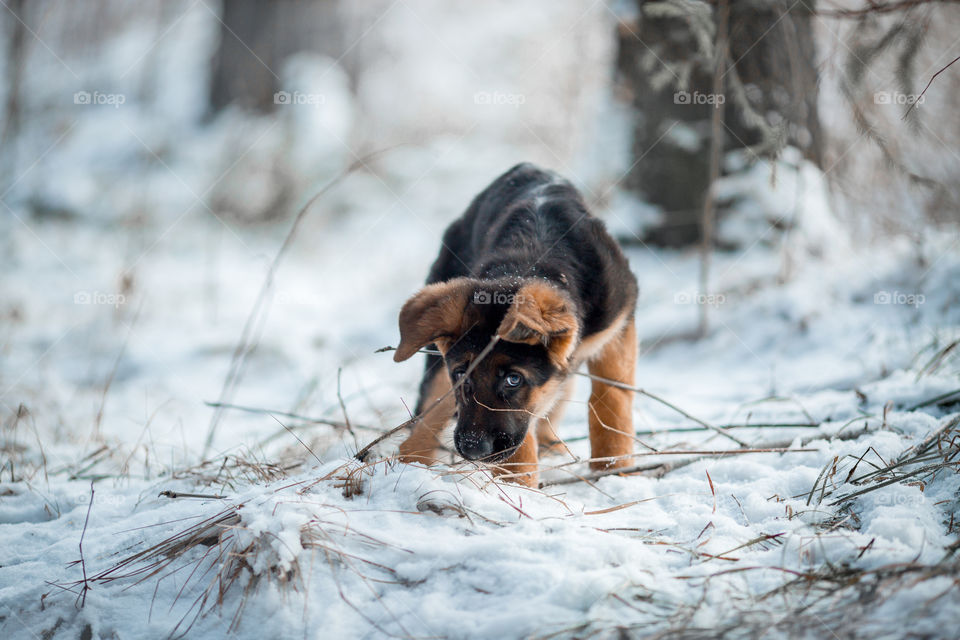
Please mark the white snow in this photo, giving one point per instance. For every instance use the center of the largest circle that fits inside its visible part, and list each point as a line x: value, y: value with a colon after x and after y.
x: 119, y: 321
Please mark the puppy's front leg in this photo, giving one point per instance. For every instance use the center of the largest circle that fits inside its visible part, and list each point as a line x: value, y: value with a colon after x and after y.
x: 423, y: 445
x: 611, y: 415
x: 547, y: 436
x: 522, y: 467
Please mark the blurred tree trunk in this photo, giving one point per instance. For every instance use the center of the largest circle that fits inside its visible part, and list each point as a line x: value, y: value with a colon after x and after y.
x: 257, y: 36
x: 15, y: 55
x: 665, y: 61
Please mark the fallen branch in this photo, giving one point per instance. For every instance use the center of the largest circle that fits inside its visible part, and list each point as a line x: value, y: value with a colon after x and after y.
x: 666, y: 466
x: 662, y: 468
x: 362, y: 454
x: 920, y: 453
x: 921, y: 471
x: 173, y: 495
x: 933, y: 437
x: 934, y: 400
x: 758, y: 425
x: 644, y: 392
x: 627, y: 387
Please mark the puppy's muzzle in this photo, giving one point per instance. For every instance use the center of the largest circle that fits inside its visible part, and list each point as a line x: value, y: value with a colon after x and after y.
x: 484, y: 447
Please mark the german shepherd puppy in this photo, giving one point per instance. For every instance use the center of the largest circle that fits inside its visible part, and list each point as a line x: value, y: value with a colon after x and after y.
x: 527, y: 263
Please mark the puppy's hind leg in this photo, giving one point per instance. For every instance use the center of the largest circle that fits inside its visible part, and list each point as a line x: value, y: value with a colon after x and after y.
x: 611, y: 417
x: 423, y: 445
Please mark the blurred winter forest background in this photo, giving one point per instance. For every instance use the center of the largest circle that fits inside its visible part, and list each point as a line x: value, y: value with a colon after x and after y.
x: 155, y: 157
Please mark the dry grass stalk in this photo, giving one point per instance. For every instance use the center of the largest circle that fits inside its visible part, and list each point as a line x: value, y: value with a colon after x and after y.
x: 227, y: 557
x: 652, y: 396
x: 937, y: 451
x: 362, y: 454
x: 657, y: 469
x: 247, y: 343
x: 82, y: 598
x: 236, y: 469
x: 607, y: 381
x: 308, y: 420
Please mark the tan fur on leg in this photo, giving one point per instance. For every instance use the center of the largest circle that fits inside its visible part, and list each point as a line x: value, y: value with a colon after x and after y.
x: 547, y: 438
x: 521, y: 467
x: 423, y: 445
x: 611, y: 418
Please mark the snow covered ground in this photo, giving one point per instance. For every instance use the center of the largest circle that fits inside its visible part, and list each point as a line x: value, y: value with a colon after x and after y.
x: 124, y: 297
x: 326, y: 546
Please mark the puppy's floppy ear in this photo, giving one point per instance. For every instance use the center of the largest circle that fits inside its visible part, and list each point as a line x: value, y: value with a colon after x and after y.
x: 435, y: 314
x: 542, y: 313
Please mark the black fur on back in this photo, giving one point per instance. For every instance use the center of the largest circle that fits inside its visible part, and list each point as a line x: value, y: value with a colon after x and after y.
x: 532, y: 223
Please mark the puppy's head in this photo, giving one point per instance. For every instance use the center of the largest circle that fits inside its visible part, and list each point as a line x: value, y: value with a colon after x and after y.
x: 500, y: 395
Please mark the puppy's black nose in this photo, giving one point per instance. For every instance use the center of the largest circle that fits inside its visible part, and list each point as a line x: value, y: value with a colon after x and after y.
x: 474, y: 447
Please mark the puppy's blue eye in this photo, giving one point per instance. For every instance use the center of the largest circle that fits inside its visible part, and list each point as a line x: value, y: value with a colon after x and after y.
x: 513, y: 379
x: 458, y: 373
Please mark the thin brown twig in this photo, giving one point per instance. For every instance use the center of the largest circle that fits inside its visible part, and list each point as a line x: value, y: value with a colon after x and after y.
x: 930, y: 82
x: 337, y: 424
x: 290, y: 431
x: 897, y: 479
x: 652, y: 396
x: 876, y: 8
x: 716, y: 147
x: 660, y: 469
x: 83, y: 565
x: 204, y: 496
x: 934, y: 436
x: 245, y: 344
x: 739, y: 425
x: 626, y: 387
x: 663, y: 467
x: 343, y: 407
x: 917, y: 454
x: 113, y: 373
x: 362, y: 454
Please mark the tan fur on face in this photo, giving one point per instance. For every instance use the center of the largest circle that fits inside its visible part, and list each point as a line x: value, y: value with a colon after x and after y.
x: 522, y: 466
x: 542, y: 314
x: 434, y: 315
x: 542, y: 398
